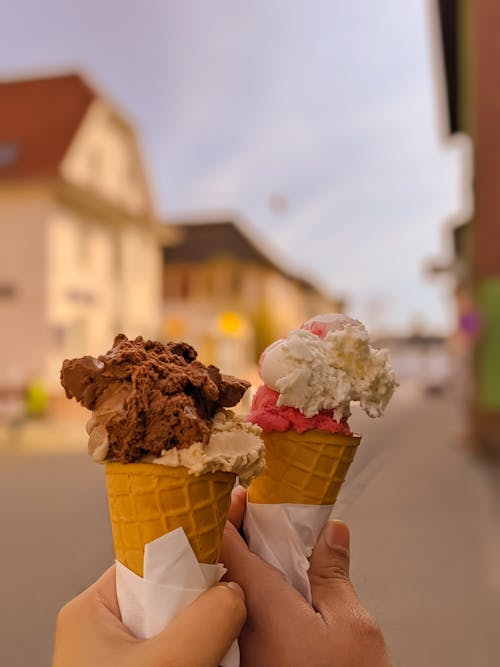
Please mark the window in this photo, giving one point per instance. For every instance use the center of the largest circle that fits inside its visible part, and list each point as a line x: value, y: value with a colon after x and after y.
x: 80, y: 296
x: 184, y: 285
x: 235, y: 282
x: 176, y: 284
x: 59, y: 334
x: 82, y: 242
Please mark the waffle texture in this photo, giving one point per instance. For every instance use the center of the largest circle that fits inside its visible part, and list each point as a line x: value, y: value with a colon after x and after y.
x: 303, y: 468
x: 147, y: 500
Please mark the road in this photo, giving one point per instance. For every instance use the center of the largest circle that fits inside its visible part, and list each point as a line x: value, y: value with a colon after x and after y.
x: 424, y: 519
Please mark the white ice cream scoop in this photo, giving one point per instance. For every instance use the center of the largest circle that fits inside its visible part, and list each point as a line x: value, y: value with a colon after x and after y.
x: 273, y: 364
x: 323, y: 324
x: 327, y: 364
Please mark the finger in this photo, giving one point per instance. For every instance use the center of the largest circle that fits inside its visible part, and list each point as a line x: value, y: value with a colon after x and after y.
x: 238, y: 506
x: 329, y: 568
x: 254, y: 575
x: 275, y: 609
x: 105, y: 591
x: 201, y: 634
x: 100, y: 595
x: 94, y: 613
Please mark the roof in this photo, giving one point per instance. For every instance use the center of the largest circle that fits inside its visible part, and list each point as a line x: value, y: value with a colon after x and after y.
x: 192, y: 242
x: 38, y: 120
x: 208, y: 241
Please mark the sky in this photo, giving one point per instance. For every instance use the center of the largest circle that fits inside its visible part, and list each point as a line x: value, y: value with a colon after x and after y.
x: 333, y: 107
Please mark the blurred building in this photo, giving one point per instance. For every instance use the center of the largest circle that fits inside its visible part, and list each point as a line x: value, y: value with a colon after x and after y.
x: 421, y: 363
x: 471, y: 54
x: 226, y: 295
x: 79, y: 254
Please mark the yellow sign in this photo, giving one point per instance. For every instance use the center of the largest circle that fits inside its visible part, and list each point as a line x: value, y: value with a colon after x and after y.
x: 230, y: 324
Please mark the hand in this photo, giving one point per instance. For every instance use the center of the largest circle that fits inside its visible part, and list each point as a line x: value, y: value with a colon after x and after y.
x: 282, y: 630
x: 90, y: 633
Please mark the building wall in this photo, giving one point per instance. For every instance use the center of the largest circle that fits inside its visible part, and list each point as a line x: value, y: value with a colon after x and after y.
x: 140, y: 282
x: 284, y: 303
x: 103, y: 279
x: 105, y: 270
x: 203, y: 305
x: 23, y: 263
x: 79, y: 256
x: 230, y: 311
x: 103, y: 158
x: 81, y: 287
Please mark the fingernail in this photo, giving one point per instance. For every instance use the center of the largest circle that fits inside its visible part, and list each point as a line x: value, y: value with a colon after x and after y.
x: 238, y: 492
x: 337, y: 535
x: 236, y: 588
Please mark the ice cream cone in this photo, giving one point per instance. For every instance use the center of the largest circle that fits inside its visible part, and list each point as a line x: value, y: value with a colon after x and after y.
x: 147, y: 500
x: 303, y: 468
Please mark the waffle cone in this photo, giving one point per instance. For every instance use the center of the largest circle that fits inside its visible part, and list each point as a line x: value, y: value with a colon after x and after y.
x: 147, y: 500
x: 303, y: 468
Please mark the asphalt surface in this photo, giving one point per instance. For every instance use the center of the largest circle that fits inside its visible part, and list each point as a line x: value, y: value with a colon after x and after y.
x: 424, y: 519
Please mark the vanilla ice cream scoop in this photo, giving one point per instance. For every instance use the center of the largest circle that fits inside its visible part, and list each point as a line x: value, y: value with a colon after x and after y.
x: 328, y: 322
x: 235, y: 445
x: 327, y: 364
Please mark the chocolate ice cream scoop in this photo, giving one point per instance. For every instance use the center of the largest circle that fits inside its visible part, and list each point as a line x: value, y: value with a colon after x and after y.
x: 147, y: 397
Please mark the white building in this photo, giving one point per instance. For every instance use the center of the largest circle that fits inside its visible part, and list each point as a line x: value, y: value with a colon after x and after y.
x: 79, y: 254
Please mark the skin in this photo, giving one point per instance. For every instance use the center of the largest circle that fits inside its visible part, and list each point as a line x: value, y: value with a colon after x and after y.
x: 89, y: 631
x: 281, y: 629
x: 274, y: 623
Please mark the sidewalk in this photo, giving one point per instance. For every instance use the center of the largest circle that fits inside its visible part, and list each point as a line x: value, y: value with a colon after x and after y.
x: 425, y: 539
x: 39, y: 436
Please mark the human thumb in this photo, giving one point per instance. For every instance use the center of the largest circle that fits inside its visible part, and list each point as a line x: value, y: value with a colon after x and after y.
x: 329, y: 567
x: 201, y: 634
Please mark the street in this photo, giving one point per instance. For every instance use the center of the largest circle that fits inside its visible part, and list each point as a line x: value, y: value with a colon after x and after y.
x: 424, y: 519
x: 426, y: 543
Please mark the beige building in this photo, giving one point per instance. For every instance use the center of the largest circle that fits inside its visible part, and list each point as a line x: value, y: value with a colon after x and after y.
x: 227, y: 296
x: 79, y: 254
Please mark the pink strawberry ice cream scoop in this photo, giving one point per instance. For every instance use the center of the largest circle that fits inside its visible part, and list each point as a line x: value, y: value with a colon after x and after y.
x: 311, y: 377
x: 270, y: 417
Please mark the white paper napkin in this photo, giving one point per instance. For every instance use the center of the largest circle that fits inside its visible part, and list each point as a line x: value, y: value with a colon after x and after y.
x: 172, y: 579
x: 284, y: 535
